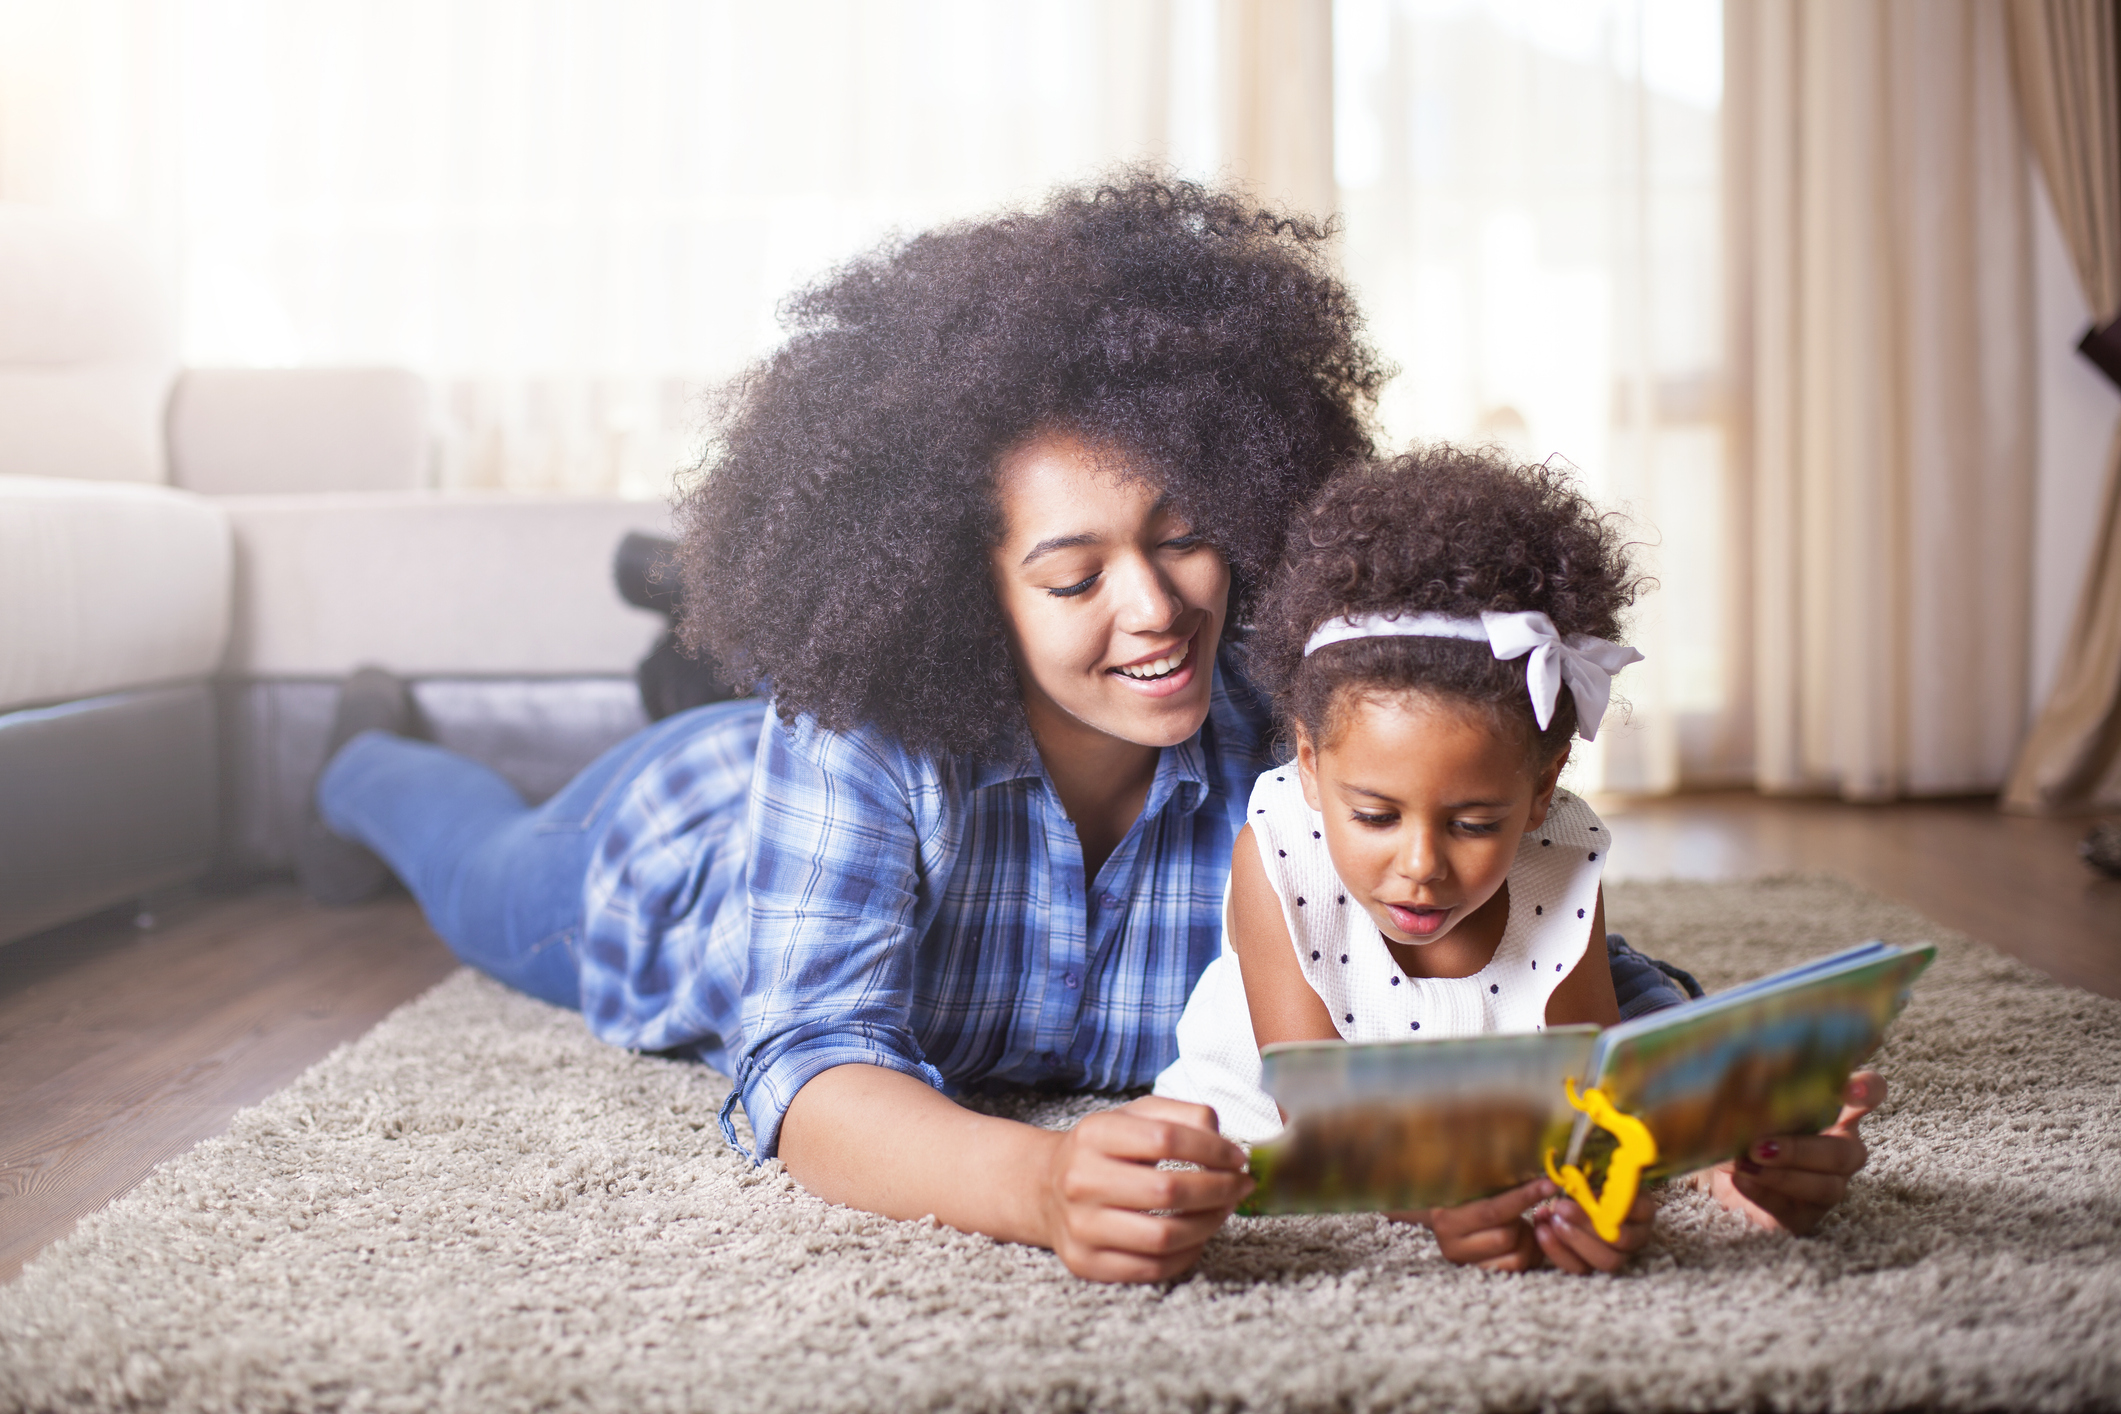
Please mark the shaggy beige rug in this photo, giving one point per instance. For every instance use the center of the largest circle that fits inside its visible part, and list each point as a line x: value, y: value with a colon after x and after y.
x: 476, y: 1207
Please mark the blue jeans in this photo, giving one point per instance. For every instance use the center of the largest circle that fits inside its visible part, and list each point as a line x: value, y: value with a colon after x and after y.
x: 501, y: 882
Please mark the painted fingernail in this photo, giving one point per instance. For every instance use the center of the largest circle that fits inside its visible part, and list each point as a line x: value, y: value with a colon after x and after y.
x: 1767, y: 1149
x: 1746, y: 1165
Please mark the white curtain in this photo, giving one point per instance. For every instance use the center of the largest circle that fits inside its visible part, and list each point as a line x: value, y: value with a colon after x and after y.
x: 1531, y: 189
x: 572, y: 214
x: 1880, y: 229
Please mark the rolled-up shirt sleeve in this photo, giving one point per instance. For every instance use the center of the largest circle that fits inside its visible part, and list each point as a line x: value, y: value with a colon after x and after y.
x: 836, y: 905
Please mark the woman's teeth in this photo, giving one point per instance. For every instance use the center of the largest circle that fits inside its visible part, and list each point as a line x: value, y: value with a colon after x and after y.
x: 1161, y: 667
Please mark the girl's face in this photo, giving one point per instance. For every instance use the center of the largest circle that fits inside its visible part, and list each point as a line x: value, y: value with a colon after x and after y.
x: 1424, y: 801
x: 1114, y: 606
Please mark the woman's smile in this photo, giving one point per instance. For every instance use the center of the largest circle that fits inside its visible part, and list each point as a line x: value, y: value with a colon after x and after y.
x: 1161, y: 674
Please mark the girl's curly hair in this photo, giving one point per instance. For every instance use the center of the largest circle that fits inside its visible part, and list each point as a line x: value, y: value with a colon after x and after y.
x: 1442, y: 530
x: 837, y: 539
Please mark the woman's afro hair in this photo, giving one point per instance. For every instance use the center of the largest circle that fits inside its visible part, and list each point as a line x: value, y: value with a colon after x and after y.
x: 836, y: 540
x: 1442, y: 530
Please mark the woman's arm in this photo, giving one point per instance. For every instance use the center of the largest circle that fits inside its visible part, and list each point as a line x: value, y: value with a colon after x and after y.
x: 890, y: 1143
x: 833, y: 1076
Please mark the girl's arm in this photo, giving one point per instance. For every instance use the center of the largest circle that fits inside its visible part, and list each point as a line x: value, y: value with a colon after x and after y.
x: 1587, y: 994
x: 881, y: 1140
x: 1282, y: 1003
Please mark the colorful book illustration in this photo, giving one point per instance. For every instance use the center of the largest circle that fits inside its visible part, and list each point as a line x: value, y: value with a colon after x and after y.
x: 1396, y: 1125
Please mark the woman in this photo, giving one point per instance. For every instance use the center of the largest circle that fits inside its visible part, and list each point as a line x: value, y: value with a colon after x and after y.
x: 983, y: 524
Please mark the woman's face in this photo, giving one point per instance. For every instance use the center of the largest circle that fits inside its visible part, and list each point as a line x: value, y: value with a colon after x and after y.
x: 1114, y: 607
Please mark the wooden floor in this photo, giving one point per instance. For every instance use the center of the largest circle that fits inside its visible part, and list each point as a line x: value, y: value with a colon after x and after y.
x: 2014, y: 883
x: 120, y: 1047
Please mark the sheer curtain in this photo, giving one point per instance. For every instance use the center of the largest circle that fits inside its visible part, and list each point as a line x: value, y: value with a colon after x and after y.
x: 572, y: 214
x: 1531, y: 190
x: 1881, y: 226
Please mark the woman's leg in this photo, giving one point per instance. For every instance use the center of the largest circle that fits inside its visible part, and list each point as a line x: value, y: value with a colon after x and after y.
x: 499, y: 881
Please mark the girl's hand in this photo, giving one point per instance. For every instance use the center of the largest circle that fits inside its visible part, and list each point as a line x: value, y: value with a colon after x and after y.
x: 1792, y: 1182
x: 1565, y: 1235
x: 1497, y: 1235
x: 1490, y: 1233
x: 1113, y: 1215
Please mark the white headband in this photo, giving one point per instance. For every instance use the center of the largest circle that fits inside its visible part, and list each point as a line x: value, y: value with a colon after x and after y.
x: 1586, y: 664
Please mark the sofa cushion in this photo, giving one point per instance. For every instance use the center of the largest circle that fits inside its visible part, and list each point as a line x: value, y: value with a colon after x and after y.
x: 86, y: 350
x: 105, y: 585
x: 434, y: 584
x: 236, y: 431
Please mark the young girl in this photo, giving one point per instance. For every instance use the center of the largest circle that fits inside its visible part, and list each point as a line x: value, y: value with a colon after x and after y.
x: 1441, y: 626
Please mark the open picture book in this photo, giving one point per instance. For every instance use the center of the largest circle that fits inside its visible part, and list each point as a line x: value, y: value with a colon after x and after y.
x: 1396, y: 1125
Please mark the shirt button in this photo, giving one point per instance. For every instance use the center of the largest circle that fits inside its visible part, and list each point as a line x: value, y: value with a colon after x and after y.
x: 1109, y: 900
x: 1070, y: 979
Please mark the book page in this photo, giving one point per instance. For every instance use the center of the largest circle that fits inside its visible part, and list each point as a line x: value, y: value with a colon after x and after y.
x: 1399, y: 1125
x: 1711, y: 1078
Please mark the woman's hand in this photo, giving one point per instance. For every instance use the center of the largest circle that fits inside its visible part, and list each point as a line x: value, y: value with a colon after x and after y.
x: 1113, y: 1215
x: 1792, y: 1182
x: 891, y: 1143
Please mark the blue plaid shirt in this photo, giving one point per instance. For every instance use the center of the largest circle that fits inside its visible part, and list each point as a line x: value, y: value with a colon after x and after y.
x: 780, y: 899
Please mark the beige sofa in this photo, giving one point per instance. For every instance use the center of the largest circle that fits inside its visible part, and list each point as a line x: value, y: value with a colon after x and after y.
x: 190, y: 559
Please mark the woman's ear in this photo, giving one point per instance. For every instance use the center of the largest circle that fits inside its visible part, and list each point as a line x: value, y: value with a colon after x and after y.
x: 1543, y: 786
x: 1307, y: 767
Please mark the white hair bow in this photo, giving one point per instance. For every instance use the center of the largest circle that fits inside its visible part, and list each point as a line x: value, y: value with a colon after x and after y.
x: 1584, y: 663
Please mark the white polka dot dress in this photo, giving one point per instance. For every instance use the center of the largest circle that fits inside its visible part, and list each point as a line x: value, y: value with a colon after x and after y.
x: 1553, y: 884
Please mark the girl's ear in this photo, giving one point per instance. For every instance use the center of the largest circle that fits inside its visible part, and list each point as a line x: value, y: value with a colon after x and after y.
x: 1307, y: 767
x: 1543, y: 789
